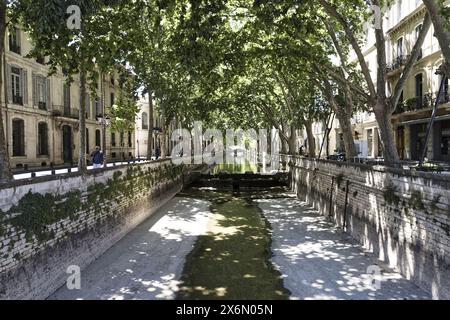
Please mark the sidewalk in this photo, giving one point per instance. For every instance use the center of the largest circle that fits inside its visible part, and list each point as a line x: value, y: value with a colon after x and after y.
x: 318, y: 261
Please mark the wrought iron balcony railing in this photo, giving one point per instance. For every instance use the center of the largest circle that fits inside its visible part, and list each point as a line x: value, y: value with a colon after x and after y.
x: 424, y: 102
x: 398, y: 62
x: 64, y: 111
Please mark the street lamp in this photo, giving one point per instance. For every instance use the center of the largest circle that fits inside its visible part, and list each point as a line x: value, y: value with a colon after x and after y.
x: 104, y: 121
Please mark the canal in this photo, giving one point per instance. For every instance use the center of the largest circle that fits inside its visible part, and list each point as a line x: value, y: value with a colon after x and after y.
x: 250, y: 244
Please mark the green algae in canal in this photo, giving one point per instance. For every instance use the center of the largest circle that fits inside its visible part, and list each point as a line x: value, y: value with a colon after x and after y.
x: 232, y: 260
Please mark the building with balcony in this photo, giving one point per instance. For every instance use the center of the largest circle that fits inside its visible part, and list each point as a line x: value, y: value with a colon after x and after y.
x: 41, y: 112
x: 402, y: 24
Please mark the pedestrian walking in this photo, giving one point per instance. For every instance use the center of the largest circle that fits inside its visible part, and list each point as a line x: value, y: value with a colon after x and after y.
x: 97, y: 158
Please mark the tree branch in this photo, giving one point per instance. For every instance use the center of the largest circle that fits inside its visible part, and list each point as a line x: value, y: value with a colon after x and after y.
x: 332, y: 11
x: 412, y: 60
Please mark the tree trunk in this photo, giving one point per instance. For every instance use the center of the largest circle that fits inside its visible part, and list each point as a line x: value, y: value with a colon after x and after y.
x: 311, y: 140
x: 5, y: 170
x: 440, y: 32
x: 347, y: 135
x: 292, y: 141
x: 150, y: 126
x: 82, y: 125
x: 163, y: 135
x: 383, y: 118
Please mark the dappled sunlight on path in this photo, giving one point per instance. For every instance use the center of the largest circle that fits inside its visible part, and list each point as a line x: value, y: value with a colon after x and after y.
x: 147, y: 262
x: 318, y: 261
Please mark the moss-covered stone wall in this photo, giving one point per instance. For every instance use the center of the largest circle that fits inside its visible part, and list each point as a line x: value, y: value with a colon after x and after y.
x: 47, y: 226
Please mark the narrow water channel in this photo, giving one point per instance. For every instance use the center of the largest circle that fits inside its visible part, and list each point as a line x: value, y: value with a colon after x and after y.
x: 232, y: 261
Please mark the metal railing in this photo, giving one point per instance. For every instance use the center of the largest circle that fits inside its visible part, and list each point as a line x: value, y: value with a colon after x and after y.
x: 398, y: 62
x: 424, y: 102
x: 62, y: 111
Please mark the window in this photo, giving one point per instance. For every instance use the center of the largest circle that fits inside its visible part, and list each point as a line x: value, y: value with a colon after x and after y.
x: 40, y: 92
x: 14, y: 40
x: 419, y: 89
x: 144, y: 121
x: 16, y: 83
x: 122, y: 139
x: 113, y: 139
x: 87, y: 141
x: 400, y: 48
x: 98, y: 138
x: 18, y: 138
x: 130, y: 140
x: 418, y: 29
x: 112, y: 80
x: 42, y: 139
x: 66, y: 93
x: 98, y: 107
x: 112, y: 99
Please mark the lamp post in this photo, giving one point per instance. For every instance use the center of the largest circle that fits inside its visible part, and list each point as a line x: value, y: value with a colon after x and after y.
x: 104, y: 121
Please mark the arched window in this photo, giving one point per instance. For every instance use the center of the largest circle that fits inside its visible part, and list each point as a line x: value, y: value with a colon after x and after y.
x: 18, y: 137
x: 130, y: 139
x: 144, y: 121
x: 42, y: 139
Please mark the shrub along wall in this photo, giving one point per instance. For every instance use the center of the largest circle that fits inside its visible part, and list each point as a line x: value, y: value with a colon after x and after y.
x: 49, y: 225
x: 402, y: 217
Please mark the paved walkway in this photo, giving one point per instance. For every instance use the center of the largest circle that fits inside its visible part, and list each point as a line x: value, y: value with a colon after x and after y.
x: 320, y: 262
x: 147, y: 262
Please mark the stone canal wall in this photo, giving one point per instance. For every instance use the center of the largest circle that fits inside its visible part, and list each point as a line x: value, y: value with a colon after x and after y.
x: 49, y: 224
x: 402, y: 217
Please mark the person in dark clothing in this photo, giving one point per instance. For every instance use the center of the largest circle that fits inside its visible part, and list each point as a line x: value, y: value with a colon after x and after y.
x: 97, y: 158
x: 157, y: 153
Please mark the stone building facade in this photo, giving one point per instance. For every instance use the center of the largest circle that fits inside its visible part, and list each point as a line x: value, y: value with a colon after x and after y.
x: 142, y: 127
x: 402, y: 23
x: 41, y: 112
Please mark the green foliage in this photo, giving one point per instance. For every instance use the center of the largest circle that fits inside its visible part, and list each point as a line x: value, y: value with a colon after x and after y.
x: 35, y: 213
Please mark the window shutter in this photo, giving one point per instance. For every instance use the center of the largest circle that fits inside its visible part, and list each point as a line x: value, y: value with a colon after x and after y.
x: 49, y: 94
x: 35, y: 91
x: 9, y: 83
x: 25, y: 86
